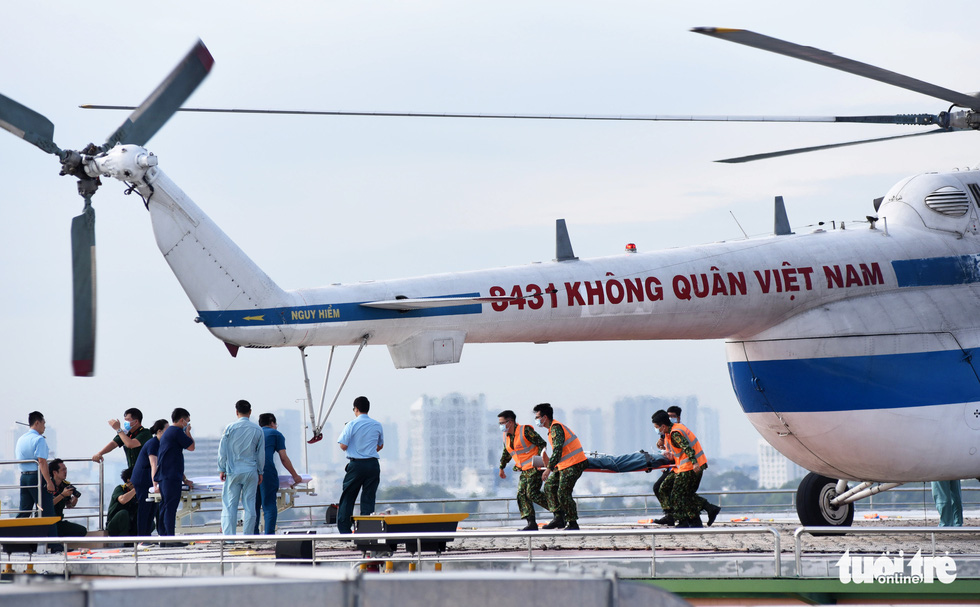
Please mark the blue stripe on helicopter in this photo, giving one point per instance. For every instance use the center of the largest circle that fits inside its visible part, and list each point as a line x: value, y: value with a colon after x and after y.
x: 937, y: 271
x: 341, y: 312
x: 851, y: 383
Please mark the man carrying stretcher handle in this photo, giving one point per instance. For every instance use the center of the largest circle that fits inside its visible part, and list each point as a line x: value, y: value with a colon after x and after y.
x: 678, y: 494
x: 566, y: 465
x: 522, y: 443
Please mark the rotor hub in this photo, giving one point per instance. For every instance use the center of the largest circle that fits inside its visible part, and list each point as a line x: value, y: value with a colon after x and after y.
x: 123, y: 162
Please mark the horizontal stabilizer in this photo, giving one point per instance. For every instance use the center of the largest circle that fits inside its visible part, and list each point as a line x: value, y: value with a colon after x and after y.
x: 432, y: 302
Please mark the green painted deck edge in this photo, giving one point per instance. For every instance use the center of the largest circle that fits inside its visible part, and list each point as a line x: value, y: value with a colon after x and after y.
x: 817, y: 590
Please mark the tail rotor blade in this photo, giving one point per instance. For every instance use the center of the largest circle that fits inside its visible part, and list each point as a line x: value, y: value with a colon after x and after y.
x: 27, y: 124
x: 143, y: 123
x: 83, y: 279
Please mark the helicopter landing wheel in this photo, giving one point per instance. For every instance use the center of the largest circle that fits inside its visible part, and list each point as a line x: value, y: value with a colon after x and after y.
x: 813, y: 503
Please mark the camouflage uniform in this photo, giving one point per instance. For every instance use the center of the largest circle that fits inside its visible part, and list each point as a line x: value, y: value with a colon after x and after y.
x: 664, y: 490
x: 529, y: 484
x: 667, y: 487
x: 559, y: 488
x: 679, y: 490
x: 560, y: 483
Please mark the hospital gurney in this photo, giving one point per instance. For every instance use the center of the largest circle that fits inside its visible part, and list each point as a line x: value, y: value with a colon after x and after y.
x: 207, y: 490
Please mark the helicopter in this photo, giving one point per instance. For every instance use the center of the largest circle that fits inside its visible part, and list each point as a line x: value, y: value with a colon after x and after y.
x: 844, y: 346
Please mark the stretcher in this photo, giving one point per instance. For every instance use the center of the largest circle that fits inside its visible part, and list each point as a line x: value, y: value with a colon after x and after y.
x: 641, y: 461
x: 207, y: 489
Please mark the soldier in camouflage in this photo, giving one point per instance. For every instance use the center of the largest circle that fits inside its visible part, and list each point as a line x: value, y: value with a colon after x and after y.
x: 567, y: 464
x: 523, y: 452
x: 665, y: 485
x: 679, y: 491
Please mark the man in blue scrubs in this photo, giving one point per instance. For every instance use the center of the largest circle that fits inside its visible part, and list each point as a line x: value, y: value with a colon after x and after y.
x: 142, y: 478
x: 265, y: 497
x: 241, y: 460
x: 170, y: 467
x: 361, y: 439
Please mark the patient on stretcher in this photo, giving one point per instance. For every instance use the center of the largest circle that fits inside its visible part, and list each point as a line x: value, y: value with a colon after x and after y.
x: 630, y: 462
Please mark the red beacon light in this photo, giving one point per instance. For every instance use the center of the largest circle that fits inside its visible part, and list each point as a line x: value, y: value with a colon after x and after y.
x: 631, y: 248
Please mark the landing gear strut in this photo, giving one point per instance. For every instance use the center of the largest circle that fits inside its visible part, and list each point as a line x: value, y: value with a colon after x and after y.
x: 317, y: 420
x: 815, y: 506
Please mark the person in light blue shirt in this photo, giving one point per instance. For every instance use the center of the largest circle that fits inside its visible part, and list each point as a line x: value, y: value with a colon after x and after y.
x: 241, y: 460
x: 33, y: 446
x: 361, y: 439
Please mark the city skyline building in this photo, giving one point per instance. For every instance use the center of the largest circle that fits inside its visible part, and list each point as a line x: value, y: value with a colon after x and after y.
x: 203, y: 460
x: 775, y: 469
x: 708, y: 431
x: 449, y: 434
x: 632, y: 428
x: 589, y: 424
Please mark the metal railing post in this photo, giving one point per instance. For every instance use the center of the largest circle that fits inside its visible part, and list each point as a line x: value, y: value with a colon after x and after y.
x: 102, y: 496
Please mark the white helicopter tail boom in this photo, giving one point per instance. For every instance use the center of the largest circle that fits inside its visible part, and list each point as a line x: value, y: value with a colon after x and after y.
x: 214, y: 272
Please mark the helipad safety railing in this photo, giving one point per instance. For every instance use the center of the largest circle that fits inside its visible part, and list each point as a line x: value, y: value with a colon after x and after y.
x: 98, y: 511
x: 226, y: 543
x: 646, y: 504
x: 930, y: 531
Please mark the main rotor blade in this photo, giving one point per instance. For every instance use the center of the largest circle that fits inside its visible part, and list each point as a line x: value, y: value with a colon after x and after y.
x: 823, y: 147
x: 27, y: 124
x: 827, y: 59
x: 919, y: 119
x: 142, y: 124
x: 83, y: 282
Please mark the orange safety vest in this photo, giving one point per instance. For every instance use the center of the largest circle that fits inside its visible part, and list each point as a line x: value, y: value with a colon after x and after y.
x: 672, y: 467
x: 523, y: 452
x: 681, y: 460
x: 571, y: 451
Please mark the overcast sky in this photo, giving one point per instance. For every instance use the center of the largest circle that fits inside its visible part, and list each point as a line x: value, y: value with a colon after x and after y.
x: 322, y: 200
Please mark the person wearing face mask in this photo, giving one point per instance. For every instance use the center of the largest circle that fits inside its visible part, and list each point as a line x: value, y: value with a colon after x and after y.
x: 130, y: 435
x: 664, y: 486
x: 678, y: 494
x: 142, y: 479
x: 674, y: 415
x: 567, y: 464
x: 522, y: 443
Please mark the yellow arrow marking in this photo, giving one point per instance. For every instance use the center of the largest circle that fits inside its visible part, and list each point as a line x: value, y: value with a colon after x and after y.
x: 255, y: 317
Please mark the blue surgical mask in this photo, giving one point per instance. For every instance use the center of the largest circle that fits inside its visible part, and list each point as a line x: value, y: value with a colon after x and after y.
x: 537, y: 422
x: 126, y: 426
x: 673, y: 420
x: 503, y: 427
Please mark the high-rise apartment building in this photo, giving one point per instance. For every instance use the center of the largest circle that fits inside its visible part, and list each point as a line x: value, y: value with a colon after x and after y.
x: 203, y: 460
x: 590, y: 427
x: 451, y: 433
x: 775, y: 469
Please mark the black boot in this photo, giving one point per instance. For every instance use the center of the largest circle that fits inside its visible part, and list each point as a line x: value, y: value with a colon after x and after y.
x: 667, y: 519
x: 557, y: 523
x: 572, y: 526
x: 532, y: 525
x: 712, y: 513
x: 693, y: 522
